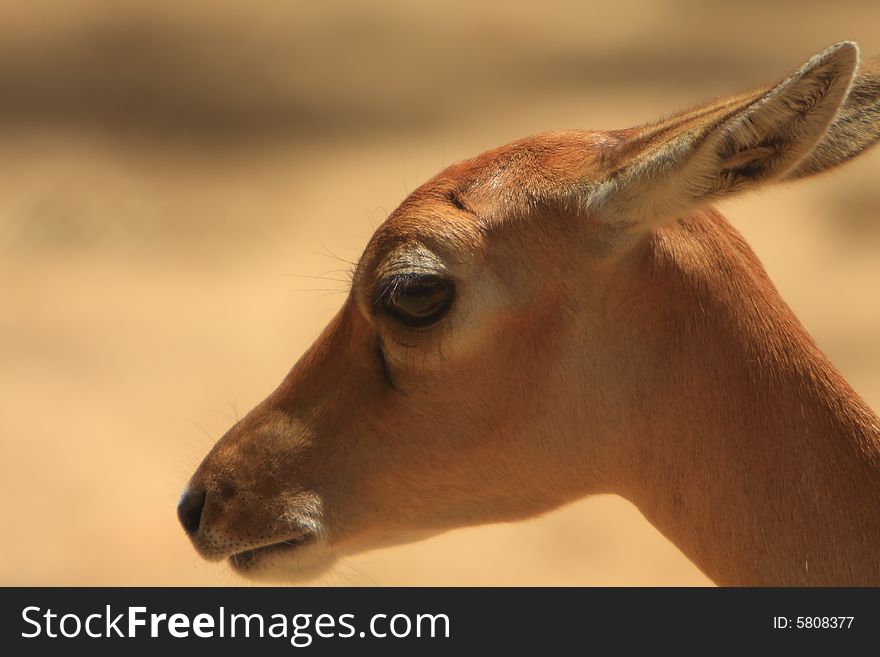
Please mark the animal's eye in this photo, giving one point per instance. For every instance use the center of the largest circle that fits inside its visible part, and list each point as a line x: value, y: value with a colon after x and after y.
x: 416, y: 300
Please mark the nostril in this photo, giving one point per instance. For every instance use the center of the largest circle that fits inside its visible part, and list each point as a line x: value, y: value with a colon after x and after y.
x: 189, y: 510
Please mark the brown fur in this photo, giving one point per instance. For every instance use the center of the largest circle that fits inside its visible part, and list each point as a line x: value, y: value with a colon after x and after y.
x: 609, y: 333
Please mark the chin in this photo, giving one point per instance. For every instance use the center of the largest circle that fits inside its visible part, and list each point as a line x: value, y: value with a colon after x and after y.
x: 302, y: 560
x: 283, y: 564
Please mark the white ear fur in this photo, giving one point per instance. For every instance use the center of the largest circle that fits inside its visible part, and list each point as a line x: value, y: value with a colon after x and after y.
x: 855, y: 130
x: 673, y: 167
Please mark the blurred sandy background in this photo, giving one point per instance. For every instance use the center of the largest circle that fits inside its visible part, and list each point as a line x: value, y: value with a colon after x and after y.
x: 166, y: 168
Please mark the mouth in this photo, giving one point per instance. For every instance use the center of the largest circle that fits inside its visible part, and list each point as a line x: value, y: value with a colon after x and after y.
x: 249, y: 560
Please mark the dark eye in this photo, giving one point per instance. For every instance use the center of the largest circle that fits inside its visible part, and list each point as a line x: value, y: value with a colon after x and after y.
x: 416, y: 300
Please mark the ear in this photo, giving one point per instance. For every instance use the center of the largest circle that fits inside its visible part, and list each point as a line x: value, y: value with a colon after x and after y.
x: 856, y: 128
x: 664, y: 171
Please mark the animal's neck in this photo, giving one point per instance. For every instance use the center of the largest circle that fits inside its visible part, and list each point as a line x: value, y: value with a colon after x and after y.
x: 755, y: 456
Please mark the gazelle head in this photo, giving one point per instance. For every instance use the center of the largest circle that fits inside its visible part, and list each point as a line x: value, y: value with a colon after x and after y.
x: 501, y: 348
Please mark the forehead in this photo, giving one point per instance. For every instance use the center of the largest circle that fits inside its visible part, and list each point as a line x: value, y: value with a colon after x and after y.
x: 507, y: 180
x: 454, y: 210
x: 500, y: 183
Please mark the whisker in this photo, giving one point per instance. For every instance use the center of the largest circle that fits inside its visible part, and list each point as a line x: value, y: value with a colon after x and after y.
x: 328, y: 253
x: 210, y: 435
x: 347, y: 274
x: 320, y: 278
x: 362, y: 573
x: 227, y: 414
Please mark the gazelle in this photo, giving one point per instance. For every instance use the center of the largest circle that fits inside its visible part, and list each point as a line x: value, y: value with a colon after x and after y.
x: 565, y: 316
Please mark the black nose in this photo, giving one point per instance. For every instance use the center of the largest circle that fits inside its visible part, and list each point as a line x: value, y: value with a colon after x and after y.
x: 189, y: 510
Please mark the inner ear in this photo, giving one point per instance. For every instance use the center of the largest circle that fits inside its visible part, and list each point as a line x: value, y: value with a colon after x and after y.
x: 742, y: 165
x: 667, y: 170
x: 769, y: 136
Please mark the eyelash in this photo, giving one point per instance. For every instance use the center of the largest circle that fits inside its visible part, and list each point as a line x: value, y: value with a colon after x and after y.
x: 391, y: 296
x: 388, y: 287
